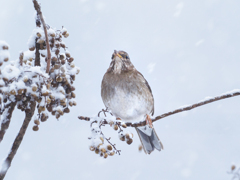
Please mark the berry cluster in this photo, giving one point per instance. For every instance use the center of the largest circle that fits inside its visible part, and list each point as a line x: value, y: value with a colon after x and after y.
x: 100, y: 144
x: 25, y: 79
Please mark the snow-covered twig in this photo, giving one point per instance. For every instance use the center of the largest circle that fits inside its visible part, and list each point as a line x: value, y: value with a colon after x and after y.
x: 39, y: 12
x: 6, y: 118
x: 208, y: 100
x: 7, y: 162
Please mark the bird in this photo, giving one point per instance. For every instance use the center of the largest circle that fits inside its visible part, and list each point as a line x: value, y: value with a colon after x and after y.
x: 127, y: 94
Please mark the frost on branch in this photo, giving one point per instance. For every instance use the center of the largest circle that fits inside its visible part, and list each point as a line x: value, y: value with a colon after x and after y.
x: 101, y: 144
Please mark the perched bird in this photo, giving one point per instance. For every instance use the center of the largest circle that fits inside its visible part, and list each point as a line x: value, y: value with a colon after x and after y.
x: 128, y: 95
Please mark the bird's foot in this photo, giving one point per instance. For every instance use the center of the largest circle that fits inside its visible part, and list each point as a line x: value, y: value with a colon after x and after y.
x: 149, y: 121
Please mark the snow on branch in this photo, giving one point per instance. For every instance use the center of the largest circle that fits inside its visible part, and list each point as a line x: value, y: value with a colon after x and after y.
x: 235, y: 92
x: 39, y: 15
x: 117, y: 124
x: 7, y: 162
x: 41, y: 79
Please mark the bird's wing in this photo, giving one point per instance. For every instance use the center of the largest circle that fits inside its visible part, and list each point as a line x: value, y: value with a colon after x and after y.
x: 149, y: 88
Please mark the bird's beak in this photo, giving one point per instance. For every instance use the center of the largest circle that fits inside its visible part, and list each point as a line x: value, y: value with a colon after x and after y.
x: 116, y: 54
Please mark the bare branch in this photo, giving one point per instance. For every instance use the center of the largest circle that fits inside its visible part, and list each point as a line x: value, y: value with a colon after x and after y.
x: 39, y: 12
x: 7, y: 115
x: 7, y: 162
x: 186, y: 108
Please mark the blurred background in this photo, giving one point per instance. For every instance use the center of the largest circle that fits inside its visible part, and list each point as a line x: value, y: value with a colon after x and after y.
x: 187, y: 50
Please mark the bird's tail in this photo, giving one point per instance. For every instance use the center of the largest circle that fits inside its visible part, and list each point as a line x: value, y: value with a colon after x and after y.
x: 149, y: 139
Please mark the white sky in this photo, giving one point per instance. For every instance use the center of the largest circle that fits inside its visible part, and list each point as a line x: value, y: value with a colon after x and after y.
x: 187, y: 50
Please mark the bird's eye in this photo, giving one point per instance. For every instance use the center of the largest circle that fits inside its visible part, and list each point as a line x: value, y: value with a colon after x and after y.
x: 127, y: 57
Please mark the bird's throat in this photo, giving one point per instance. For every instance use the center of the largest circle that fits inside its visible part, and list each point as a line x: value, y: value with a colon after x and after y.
x: 117, y: 66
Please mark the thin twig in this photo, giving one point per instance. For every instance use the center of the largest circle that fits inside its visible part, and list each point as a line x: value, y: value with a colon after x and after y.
x: 7, y: 162
x: 186, y: 108
x: 39, y: 12
x: 6, y: 118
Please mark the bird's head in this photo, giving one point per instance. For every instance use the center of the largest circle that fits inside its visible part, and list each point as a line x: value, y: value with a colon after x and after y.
x: 120, y: 62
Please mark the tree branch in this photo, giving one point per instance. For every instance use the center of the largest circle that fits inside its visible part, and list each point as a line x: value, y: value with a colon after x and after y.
x: 39, y: 12
x: 7, y: 115
x: 181, y: 109
x: 7, y: 162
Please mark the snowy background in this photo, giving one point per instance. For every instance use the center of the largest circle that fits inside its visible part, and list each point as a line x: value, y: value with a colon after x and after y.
x: 187, y: 50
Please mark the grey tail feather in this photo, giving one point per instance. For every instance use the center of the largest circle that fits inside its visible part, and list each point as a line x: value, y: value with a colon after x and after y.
x: 150, y: 143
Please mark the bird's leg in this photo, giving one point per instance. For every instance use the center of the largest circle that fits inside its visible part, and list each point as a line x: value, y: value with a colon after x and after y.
x: 149, y: 121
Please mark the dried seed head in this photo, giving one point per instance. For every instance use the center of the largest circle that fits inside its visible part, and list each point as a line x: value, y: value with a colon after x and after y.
x: 105, y: 155
x: 109, y: 147
x: 5, y: 47
x: 92, y: 148
x: 66, y: 35
x: 66, y: 110
x: 52, y: 34
x: 5, y: 59
x: 103, y: 150
x: 67, y: 54
x: 34, y: 88
x: 35, y: 128
x: 129, y: 141
x: 74, y: 103
x: 39, y: 34
x: 97, y: 151
x: 140, y: 148
x: 115, y: 127
x: 13, y: 92
x: 62, y: 57
x: 62, y: 45
x: 25, y: 79
x: 102, y: 139
x: 57, y: 116
x: 40, y: 41
x: 60, y: 111
x: 63, y: 62
x: 45, y: 93
x: 32, y: 48
x: 52, y: 97
x: 127, y: 136
x: 57, y: 51
x: 124, y: 125
x: 42, y: 55
x: 5, y: 79
x: 70, y: 103
x: 72, y: 65
x: 70, y: 59
x: 78, y: 71
x: 56, y: 66
x: 36, y: 121
x: 111, y: 153
x: 122, y: 138
x: 233, y: 167
x: 73, y: 95
x: 59, y: 79
x: 54, y: 59
x: 48, y: 100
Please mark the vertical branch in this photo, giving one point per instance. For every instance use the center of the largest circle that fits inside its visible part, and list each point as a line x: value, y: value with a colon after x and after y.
x: 39, y: 12
x: 7, y: 162
x: 37, y: 54
x: 6, y: 118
